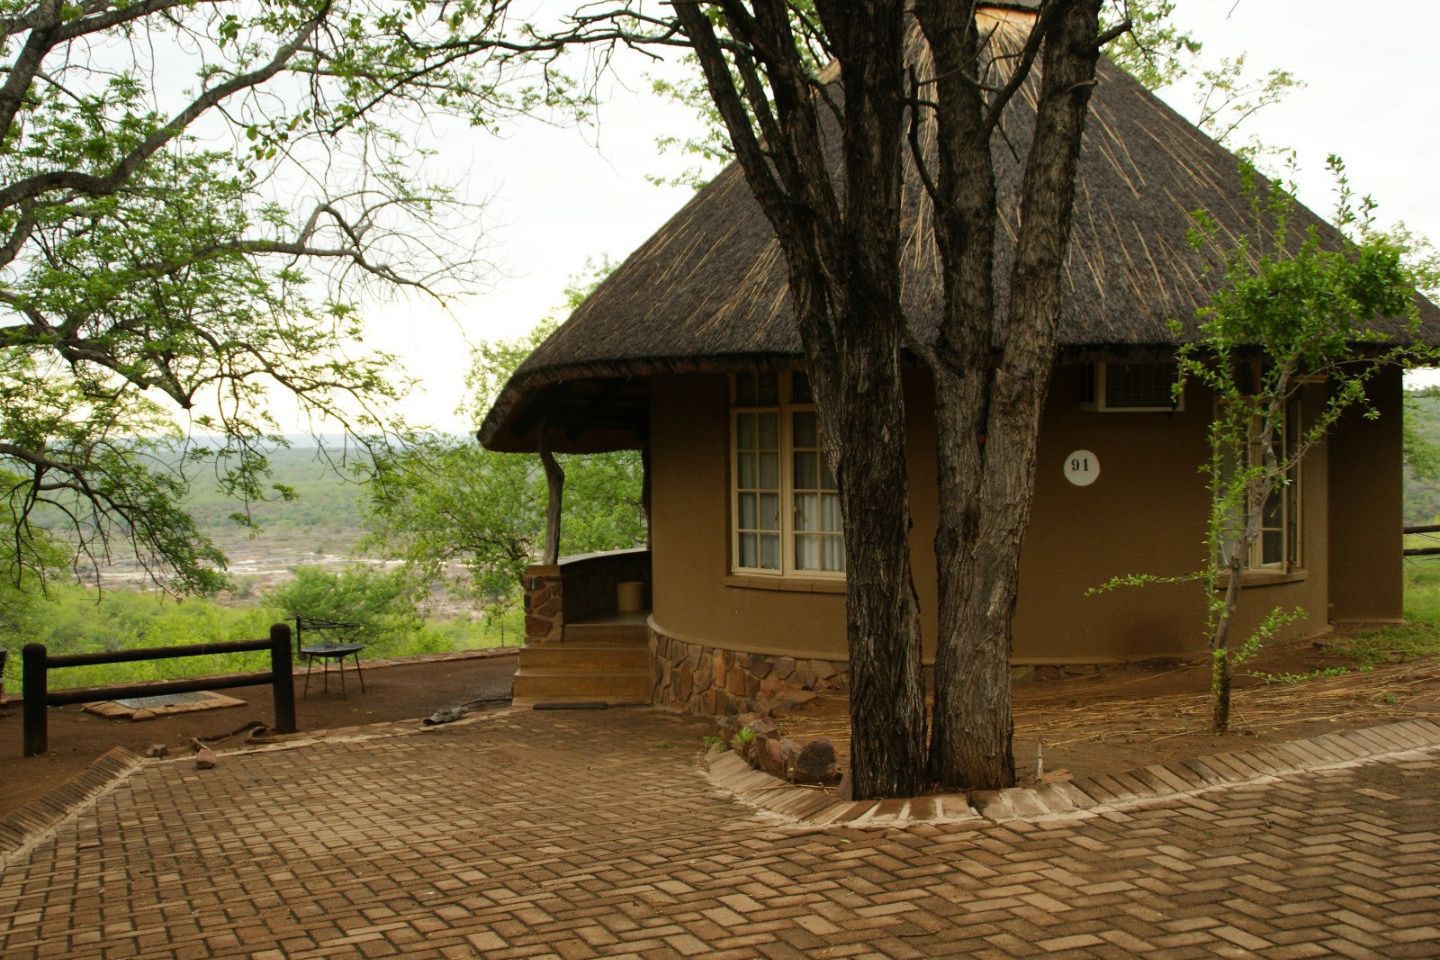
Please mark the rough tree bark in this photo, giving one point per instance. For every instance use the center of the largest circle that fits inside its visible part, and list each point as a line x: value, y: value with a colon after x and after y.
x: 842, y: 249
x: 992, y: 374
x: 555, y: 496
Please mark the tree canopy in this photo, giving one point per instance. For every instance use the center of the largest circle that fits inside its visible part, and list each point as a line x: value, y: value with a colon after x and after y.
x: 194, y: 200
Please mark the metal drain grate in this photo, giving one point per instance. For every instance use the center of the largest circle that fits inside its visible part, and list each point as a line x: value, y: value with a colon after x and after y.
x: 164, y: 700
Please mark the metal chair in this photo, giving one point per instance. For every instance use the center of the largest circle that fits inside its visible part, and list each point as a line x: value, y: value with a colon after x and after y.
x: 326, y: 651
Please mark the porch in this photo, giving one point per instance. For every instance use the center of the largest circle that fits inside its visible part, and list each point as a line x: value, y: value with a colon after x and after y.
x: 585, y: 631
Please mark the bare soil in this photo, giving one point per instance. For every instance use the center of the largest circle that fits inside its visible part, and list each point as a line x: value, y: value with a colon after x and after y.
x: 400, y: 691
x: 1131, y: 717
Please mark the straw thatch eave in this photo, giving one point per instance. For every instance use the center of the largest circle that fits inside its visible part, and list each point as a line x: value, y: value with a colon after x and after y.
x: 709, y: 292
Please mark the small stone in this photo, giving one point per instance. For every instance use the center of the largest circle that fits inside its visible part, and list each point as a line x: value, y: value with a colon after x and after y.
x: 205, y: 759
x: 764, y: 728
x: 760, y: 666
x: 727, y: 727
x: 824, y: 669
x: 804, y: 674
x: 156, y: 751
x: 784, y: 667
x: 142, y: 714
x: 816, y: 763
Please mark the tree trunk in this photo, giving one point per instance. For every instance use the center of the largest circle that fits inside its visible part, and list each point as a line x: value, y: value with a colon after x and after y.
x: 555, y: 490
x: 991, y: 380
x: 842, y: 250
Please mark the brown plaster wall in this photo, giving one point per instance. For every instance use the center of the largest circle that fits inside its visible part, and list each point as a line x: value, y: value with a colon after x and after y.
x: 1366, y: 461
x: 1145, y: 514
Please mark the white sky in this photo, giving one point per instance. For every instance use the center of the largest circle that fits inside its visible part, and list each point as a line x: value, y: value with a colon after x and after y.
x: 558, y: 197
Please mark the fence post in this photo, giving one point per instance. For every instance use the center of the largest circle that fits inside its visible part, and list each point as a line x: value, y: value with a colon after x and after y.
x: 35, y: 689
x: 281, y: 661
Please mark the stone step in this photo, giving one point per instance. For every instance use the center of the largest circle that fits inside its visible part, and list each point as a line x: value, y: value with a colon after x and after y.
x: 606, y: 633
x: 586, y: 656
x: 612, y: 686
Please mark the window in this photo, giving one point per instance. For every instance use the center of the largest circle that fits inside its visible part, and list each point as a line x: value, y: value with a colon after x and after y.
x: 1278, y: 547
x: 1144, y: 387
x: 785, y: 507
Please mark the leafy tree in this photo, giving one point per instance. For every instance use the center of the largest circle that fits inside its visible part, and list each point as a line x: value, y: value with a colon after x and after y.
x: 444, y: 499
x: 193, y: 197
x: 1280, y: 320
x: 383, y: 604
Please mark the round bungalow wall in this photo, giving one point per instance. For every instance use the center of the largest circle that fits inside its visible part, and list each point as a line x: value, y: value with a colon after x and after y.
x: 727, y: 639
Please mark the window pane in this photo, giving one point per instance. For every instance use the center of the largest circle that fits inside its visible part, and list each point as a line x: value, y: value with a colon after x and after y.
x: 807, y: 470
x: 767, y: 389
x: 747, y: 511
x: 746, y: 473
x: 770, y: 471
x: 807, y: 552
x: 770, y: 511
x: 769, y: 431
x: 1272, y: 512
x: 807, y: 511
x: 770, y: 551
x: 1272, y: 549
x: 747, y: 549
x: 745, y: 431
x: 830, y: 514
x: 804, y: 427
x: 827, y: 479
x: 799, y: 388
x: 744, y: 389
x: 835, y: 554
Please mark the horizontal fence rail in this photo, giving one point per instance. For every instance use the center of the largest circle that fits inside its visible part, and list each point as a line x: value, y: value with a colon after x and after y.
x: 1423, y: 551
x: 38, y: 698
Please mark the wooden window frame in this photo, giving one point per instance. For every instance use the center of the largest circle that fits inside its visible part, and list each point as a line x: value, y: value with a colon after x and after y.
x: 783, y: 408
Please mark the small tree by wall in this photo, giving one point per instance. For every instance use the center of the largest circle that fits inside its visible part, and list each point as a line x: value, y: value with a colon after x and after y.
x: 1321, y: 319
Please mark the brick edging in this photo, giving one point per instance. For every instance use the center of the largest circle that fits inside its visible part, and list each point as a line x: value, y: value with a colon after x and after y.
x: 29, y: 823
x: 816, y: 807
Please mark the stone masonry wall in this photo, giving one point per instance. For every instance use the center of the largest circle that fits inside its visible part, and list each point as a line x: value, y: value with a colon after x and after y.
x: 692, y: 678
x: 544, y: 604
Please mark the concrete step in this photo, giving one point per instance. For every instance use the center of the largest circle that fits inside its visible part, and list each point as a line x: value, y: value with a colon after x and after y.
x: 587, y: 656
x: 615, y: 686
x: 606, y: 633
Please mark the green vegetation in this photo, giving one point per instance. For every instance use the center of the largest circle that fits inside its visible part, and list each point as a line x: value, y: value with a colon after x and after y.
x: 73, y: 620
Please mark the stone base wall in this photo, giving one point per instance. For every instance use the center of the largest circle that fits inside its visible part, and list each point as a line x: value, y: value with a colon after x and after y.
x: 544, y: 604
x: 692, y: 678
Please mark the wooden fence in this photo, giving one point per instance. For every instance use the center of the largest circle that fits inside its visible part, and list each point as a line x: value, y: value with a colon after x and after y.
x: 1423, y: 551
x: 37, y: 664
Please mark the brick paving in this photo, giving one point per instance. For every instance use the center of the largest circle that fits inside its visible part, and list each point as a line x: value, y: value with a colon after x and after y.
x: 576, y: 835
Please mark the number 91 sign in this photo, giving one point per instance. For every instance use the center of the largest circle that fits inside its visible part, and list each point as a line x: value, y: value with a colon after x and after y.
x: 1082, y: 468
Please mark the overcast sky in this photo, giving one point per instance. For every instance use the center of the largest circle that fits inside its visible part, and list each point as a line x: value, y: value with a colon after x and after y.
x: 557, y: 197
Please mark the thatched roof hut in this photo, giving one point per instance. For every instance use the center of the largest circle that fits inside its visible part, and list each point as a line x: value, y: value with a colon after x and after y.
x: 709, y: 290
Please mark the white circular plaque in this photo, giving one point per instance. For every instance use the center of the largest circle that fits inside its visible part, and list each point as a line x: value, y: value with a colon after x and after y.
x: 1082, y: 468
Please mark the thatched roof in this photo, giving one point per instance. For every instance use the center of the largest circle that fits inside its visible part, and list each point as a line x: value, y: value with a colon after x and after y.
x: 709, y: 292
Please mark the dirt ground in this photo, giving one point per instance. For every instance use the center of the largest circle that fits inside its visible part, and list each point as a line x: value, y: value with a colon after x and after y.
x: 393, y: 692
x: 1132, y: 717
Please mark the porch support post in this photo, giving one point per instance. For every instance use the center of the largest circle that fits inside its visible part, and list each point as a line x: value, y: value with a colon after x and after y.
x: 555, y: 486
x: 645, y: 491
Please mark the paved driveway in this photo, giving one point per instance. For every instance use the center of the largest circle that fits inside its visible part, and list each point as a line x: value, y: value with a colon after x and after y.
x: 579, y: 835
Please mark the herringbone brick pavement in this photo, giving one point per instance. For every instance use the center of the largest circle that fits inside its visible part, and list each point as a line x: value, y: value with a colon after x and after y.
x: 595, y: 835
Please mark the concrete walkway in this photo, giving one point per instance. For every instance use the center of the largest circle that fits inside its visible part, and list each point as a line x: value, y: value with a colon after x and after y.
x: 578, y: 835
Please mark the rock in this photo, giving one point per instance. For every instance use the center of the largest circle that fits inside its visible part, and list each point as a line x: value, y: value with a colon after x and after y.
x: 783, y: 668
x: 816, y: 763
x: 142, y: 714
x: 156, y: 751
x: 760, y: 666
x: 787, y: 701
x: 726, y: 728
x: 824, y: 669
x: 804, y: 674
x: 764, y: 728
x: 777, y: 757
x: 205, y: 759
x: 735, y: 682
